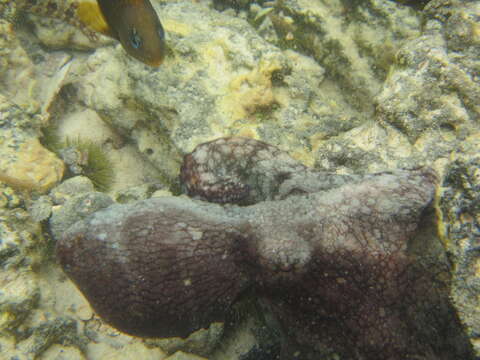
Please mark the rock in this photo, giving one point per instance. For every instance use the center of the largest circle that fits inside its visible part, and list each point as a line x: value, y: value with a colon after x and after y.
x: 459, y: 225
x: 250, y: 338
x: 135, y: 350
x: 50, y: 330
x: 354, y: 41
x: 56, y: 34
x: 19, y: 296
x: 34, y: 76
x: 69, y: 188
x: 16, y: 68
x: 10, y: 350
x: 8, y: 197
x: 60, y: 352
x: 52, y: 32
x: 41, y: 209
x: 201, y: 342
x: 179, y: 355
x: 40, y: 331
x: 76, y: 209
x: 369, y: 147
x: 28, y: 165
x: 24, y: 163
x: 20, y: 240
x: 432, y: 87
x: 136, y: 193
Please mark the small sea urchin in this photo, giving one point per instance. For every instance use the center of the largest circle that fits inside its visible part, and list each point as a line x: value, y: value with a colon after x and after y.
x: 92, y: 162
x: 82, y: 157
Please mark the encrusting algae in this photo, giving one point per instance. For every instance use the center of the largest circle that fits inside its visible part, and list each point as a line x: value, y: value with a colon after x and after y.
x: 132, y: 22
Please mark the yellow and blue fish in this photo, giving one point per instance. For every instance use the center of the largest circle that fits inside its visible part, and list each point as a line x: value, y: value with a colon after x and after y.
x: 132, y: 22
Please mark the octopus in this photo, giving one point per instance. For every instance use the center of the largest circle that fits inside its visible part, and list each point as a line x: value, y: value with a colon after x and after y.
x: 340, y: 261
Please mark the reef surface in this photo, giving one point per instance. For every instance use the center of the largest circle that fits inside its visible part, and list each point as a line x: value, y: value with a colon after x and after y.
x: 345, y: 87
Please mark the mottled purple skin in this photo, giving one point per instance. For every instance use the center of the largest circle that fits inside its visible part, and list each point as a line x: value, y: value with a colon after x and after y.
x: 244, y: 171
x: 157, y: 268
x: 336, y: 270
x: 335, y: 265
x: 236, y: 170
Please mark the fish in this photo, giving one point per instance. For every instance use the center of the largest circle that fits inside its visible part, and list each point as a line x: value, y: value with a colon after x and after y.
x: 134, y: 23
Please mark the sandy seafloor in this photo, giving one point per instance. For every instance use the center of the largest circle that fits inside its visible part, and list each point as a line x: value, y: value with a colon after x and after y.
x: 342, y: 86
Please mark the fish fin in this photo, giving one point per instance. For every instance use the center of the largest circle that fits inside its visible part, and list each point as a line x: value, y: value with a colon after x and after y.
x: 90, y: 15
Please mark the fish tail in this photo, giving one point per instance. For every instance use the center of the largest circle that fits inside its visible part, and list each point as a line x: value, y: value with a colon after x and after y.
x: 90, y: 15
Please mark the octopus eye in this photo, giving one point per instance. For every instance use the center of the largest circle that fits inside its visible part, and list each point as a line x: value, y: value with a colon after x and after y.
x: 135, y: 38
